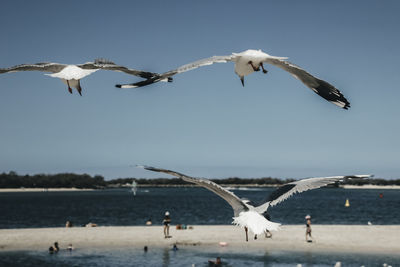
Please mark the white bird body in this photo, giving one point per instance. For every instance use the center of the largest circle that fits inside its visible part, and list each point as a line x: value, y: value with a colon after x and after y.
x: 249, y: 61
x: 257, y: 57
x: 72, y: 72
x: 255, y: 222
x: 249, y: 216
x: 242, y: 66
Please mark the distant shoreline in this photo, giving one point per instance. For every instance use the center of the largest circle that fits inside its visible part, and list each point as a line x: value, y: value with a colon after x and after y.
x: 5, y: 190
x: 370, y: 186
x: 230, y: 186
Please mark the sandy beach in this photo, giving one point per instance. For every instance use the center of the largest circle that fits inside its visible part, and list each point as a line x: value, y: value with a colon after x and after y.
x: 328, y: 238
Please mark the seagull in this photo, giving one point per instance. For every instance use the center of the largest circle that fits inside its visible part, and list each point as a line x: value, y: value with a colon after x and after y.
x: 72, y: 74
x: 250, y: 61
x: 249, y: 216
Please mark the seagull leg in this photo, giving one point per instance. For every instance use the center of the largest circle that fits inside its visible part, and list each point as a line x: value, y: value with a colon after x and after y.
x: 242, y: 80
x: 79, y: 88
x: 254, y: 68
x: 262, y: 66
x: 69, y: 87
x: 247, y: 237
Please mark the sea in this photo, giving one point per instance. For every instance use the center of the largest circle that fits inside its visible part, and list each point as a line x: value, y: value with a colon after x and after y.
x: 191, y: 206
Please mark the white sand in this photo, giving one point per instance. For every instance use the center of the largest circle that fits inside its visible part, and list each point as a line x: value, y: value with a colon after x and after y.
x: 328, y: 238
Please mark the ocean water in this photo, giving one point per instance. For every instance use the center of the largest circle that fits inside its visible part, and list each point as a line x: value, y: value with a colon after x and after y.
x: 190, y: 256
x: 120, y: 207
x: 190, y: 206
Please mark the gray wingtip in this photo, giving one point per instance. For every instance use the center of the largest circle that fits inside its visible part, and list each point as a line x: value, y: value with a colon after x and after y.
x: 359, y: 176
x: 149, y: 168
x: 140, y: 166
x: 101, y: 61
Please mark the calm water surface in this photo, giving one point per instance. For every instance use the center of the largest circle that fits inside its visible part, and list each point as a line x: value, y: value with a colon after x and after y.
x: 187, y: 256
x: 191, y: 206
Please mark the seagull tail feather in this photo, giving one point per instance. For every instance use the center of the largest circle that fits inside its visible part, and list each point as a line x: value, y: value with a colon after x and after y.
x: 255, y: 222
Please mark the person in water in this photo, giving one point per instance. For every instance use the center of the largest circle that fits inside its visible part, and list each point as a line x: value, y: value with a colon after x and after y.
x: 217, y: 262
x: 308, y: 229
x: 54, y: 248
x: 166, y: 222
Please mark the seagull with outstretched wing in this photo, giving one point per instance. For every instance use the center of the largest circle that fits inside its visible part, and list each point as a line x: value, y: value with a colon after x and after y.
x: 250, y: 61
x: 72, y: 74
x: 250, y: 216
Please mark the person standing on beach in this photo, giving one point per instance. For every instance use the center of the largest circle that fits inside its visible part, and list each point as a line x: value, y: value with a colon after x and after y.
x: 166, y: 222
x: 308, y: 228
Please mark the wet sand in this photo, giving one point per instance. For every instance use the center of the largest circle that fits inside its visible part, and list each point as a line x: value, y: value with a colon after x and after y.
x: 328, y: 238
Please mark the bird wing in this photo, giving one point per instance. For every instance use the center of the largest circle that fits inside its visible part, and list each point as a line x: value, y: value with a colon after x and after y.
x: 45, y: 66
x: 109, y: 65
x: 289, y: 189
x: 184, y: 68
x: 233, y: 200
x: 322, y: 88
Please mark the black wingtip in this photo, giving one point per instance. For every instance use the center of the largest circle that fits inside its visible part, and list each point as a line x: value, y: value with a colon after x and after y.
x: 242, y: 80
x: 332, y: 94
x: 118, y: 85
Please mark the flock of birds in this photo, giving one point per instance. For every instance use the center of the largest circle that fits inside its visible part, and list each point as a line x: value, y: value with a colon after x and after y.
x: 246, y: 62
x: 246, y: 214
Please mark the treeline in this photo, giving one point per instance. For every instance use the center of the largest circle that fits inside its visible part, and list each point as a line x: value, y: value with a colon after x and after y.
x: 61, y: 180
x: 69, y: 180
x: 377, y: 181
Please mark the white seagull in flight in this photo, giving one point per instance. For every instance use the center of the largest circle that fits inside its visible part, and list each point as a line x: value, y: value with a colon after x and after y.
x: 72, y: 74
x: 250, y: 61
x: 250, y: 216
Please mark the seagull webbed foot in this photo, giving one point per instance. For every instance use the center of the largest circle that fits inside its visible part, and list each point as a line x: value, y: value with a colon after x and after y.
x: 70, y: 90
x: 254, y: 68
x: 264, y: 70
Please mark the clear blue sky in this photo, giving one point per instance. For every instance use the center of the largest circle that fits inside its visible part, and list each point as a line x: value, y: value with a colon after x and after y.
x: 204, y: 123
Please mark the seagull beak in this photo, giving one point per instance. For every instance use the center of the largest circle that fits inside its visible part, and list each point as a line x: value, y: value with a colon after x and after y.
x: 242, y: 80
